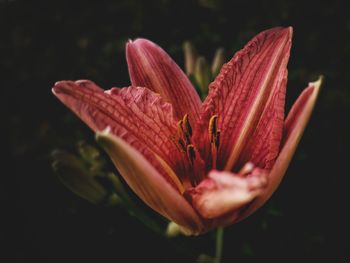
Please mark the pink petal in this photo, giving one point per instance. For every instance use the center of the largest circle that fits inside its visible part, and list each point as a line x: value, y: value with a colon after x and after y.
x: 263, y: 146
x: 241, y: 96
x: 295, y: 124
x: 149, y: 185
x: 224, y: 192
x: 137, y: 115
x: 151, y: 67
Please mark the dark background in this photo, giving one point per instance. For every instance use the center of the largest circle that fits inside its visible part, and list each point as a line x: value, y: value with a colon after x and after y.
x: 42, y: 42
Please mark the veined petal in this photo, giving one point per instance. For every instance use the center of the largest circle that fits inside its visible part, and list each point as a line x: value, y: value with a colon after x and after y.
x: 294, y: 127
x: 151, y: 67
x: 148, y: 184
x: 137, y: 115
x: 245, y: 87
x: 224, y: 192
x: 263, y: 146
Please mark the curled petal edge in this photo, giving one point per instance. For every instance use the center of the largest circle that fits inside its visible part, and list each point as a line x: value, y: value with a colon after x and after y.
x: 224, y: 192
x: 295, y: 125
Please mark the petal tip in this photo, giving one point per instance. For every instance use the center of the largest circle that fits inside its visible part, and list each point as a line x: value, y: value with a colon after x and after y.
x: 58, y: 87
x: 318, y: 83
x: 287, y: 32
x: 138, y: 42
x: 54, y: 90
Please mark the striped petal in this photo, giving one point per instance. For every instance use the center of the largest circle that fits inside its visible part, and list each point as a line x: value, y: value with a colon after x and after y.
x: 151, y: 67
x: 294, y: 127
x: 224, y: 192
x: 263, y: 146
x: 137, y: 115
x: 149, y: 185
x: 242, y: 94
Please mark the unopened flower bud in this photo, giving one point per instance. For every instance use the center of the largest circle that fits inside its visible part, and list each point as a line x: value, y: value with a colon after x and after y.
x: 218, y: 61
x: 202, y: 74
x: 173, y: 230
x: 190, y: 57
x: 76, y: 176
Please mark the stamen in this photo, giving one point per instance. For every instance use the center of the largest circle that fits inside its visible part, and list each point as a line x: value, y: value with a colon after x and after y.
x: 191, y: 153
x: 217, y: 139
x: 212, y: 127
x: 178, y: 143
x: 186, y: 126
x: 171, y: 174
x: 195, y: 174
x: 214, y: 136
x: 184, y: 132
x: 180, y: 131
x: 186, y: 129
x: 183, y: 140
x: 214, y: 153
x: 182, y: 145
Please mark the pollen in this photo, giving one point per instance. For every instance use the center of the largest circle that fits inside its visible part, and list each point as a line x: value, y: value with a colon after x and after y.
x: 186, y: 126
x: 212, y: 127
x: 184, y: 133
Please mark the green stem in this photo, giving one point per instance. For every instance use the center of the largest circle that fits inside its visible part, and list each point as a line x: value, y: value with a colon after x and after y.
x: 219, y: 244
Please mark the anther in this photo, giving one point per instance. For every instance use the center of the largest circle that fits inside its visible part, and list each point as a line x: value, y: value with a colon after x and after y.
x: 212, y: 130
x: 186, y: 126
x: 191, y: 153
x: 180, y: 129
x: 184, y: 130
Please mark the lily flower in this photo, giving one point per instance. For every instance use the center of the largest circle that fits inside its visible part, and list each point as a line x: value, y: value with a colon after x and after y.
x: 201, y: 165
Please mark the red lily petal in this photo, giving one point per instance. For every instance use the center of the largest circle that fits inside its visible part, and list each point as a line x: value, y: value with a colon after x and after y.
x: 294, y: 127
x: 151, y: 67
x: 263, y: 147
x: 245, y: 87
x: 137, y: 115
x: 149, y: 185
x: 224, y: 192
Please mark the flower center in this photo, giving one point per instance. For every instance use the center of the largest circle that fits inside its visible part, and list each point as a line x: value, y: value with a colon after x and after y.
x: 184, y: 141
x: 185, y: 145
x: 195, y: 165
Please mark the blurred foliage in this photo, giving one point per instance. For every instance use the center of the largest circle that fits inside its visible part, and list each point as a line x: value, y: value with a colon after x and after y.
x: 198, y: 69
x: 85, y: 173
x: 45, y: 41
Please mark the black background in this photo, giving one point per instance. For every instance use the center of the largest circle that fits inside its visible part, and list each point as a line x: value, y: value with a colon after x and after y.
x: 42, y: 42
